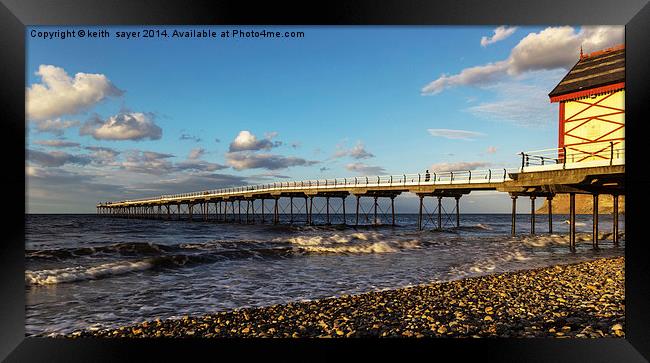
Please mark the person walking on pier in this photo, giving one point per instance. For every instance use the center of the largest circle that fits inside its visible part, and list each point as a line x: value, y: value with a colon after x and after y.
x: 427, y: 176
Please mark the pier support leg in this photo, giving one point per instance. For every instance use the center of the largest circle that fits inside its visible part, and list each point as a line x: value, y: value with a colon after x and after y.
x: 276, y: 216
x: 311, y: 205
x: 327, y: 210
x: 514, y: 215
x: 253, y: 210
x: 615, y: 219
x: 306, y: 212
x: 343, y: 205
x: 375, y: 213
x: 532, y: 215
x: 572, y: 222
x: 232, y: 208
x: 262, y: 210
x: 439, y: 213
x: 178, y: 217
x: 550, y: 214
x: 420, y: 213
x: 169, y: 214
x: 392, y: 210
x: 356, y: 223
x: 457, y: 211
x: 239, y: 211
x: 191, y: 207
x: 248, y: 204
x: 290, y: 210
x: 594, y: 238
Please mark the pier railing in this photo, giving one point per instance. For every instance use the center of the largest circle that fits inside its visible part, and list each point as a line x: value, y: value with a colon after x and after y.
x: 568, y: 157
x: 406, y: 180
x: 574, y: 156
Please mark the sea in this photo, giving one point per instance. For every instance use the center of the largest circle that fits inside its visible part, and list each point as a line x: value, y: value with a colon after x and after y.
x: 93, y: 272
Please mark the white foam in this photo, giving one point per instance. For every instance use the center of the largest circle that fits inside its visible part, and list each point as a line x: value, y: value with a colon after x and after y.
x: 332, y: 239
x: 70, y: 274
x: 377, y: 247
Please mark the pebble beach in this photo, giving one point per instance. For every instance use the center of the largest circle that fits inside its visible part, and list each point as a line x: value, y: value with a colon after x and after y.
x: 583, y: 300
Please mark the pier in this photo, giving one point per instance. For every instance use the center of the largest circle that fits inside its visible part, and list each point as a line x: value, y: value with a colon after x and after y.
x: 542, y: 174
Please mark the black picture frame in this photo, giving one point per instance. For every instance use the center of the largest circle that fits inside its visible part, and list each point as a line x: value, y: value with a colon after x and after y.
x: 15, y: 15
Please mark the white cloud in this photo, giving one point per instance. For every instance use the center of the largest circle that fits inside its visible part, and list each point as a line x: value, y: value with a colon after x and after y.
x: 245, y: 140
x: 551, y: 48
x: 455, y: 134
x: 357, y: 152
x: 491, y: 149
x: 56, y: 143
x: 500, y: 33
x: 123, y: 126
x: 54, y: 126
x: 60, y: 94
x: 56, y: 158
x: 365, y: 169
x: 459, y: 166
x: 247, y: 160
x: 196, y: 153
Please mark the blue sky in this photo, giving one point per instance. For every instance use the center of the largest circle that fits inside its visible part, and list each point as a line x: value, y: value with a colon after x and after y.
x: 341, y: 101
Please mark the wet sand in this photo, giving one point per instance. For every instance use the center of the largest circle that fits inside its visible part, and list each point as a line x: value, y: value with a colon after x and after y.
x: 584, y: 300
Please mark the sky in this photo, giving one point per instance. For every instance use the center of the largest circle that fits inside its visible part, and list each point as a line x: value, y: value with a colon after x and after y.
x: 113, y: 118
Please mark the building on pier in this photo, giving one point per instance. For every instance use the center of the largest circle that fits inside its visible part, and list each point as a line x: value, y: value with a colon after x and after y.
x: 591, y: 99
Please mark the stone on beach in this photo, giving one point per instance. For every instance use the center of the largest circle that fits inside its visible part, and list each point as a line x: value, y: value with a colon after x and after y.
x: 584, y: 300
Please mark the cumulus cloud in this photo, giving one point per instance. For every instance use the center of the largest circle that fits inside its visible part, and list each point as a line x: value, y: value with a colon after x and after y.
x: 551, y: 48
x: 459, y: 166
x: 246, y: 160
x: 500, y: 33
x: 357, y: 152
x: 148, y: 162
x: 245, y: 140
x: 55, y: 126
x: 56, y: 158
x: 123, y: 126
x: 455, y: 134
x: 103, y: 155
x: 364, y: 169
x: 57, y: 143
x: 196, y: 153
x: 59, y: 94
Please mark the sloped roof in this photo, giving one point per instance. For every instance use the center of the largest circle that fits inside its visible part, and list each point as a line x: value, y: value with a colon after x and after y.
x: 593, y: 70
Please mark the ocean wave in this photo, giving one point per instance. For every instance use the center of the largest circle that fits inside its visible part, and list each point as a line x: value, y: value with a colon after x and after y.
x: 376, y: 247
x: 488, y: 265
x: 556, y: 239
x: 79, y: 273
x: 128, y: 248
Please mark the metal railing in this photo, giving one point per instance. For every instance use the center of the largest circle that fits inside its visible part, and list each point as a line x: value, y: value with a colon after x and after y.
x: 572, y: 156
x: 403, y: 180
x: 568, y: 157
